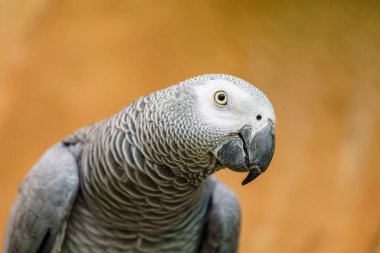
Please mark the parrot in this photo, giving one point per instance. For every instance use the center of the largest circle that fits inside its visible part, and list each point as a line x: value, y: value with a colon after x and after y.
x: 142, y: 180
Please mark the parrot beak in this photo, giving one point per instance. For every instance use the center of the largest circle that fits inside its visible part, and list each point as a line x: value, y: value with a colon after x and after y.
x: 250, y: 151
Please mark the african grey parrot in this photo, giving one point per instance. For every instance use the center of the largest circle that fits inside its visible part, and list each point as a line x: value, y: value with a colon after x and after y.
x: 141, y: 180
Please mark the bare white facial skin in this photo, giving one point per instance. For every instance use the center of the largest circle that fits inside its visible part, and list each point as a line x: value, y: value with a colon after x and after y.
x: 246, y: 105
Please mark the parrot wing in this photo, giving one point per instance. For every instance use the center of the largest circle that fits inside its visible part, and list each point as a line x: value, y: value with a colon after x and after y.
x: 44, y: 201
x: 223, y: 221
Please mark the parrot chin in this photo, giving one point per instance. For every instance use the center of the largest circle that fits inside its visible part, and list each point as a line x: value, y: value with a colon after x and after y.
x: 250, y: 151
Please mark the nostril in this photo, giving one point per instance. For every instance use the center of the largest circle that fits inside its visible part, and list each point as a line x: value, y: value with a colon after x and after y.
x: 259, y: 117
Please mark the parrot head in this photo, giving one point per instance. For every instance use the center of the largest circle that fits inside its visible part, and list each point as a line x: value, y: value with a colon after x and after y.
x: 214, y: 121
x: 248, y: 118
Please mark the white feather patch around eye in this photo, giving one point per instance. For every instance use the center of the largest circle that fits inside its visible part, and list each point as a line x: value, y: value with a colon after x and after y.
x: 241, y: 109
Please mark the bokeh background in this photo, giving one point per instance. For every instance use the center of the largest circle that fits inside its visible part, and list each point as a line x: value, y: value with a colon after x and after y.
x: 65, y: 64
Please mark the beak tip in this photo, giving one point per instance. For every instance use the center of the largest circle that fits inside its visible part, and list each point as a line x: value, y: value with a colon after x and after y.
x: 253, y: 172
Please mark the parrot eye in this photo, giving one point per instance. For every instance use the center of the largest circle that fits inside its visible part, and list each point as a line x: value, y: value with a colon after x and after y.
x: 220, y: 97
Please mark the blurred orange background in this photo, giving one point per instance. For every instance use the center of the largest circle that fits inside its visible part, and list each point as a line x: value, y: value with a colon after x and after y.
x: 65, y: 64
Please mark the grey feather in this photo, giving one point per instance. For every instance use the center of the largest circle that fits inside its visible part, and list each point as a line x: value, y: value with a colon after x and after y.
x: 43, y: 203
x: 140, y: 180
x: 223, y: 221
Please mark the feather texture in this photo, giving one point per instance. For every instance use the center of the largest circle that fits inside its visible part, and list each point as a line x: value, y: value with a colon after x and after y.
x: 136, y: 182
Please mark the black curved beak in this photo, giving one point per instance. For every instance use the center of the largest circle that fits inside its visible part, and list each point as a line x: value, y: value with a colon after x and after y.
x: 250, y: 151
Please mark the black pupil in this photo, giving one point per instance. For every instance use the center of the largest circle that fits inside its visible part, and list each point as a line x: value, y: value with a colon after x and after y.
x: 258, y: 117
x: 221, y: 97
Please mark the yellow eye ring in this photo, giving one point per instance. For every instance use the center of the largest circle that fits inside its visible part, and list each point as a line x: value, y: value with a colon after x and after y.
x: 220, y: 97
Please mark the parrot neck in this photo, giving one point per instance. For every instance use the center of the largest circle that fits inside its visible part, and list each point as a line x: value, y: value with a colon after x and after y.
x: 138, y: 194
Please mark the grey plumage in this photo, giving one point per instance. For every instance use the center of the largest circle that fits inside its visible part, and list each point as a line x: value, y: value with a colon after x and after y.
x: 45, y: 199
x: 140, y: 180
